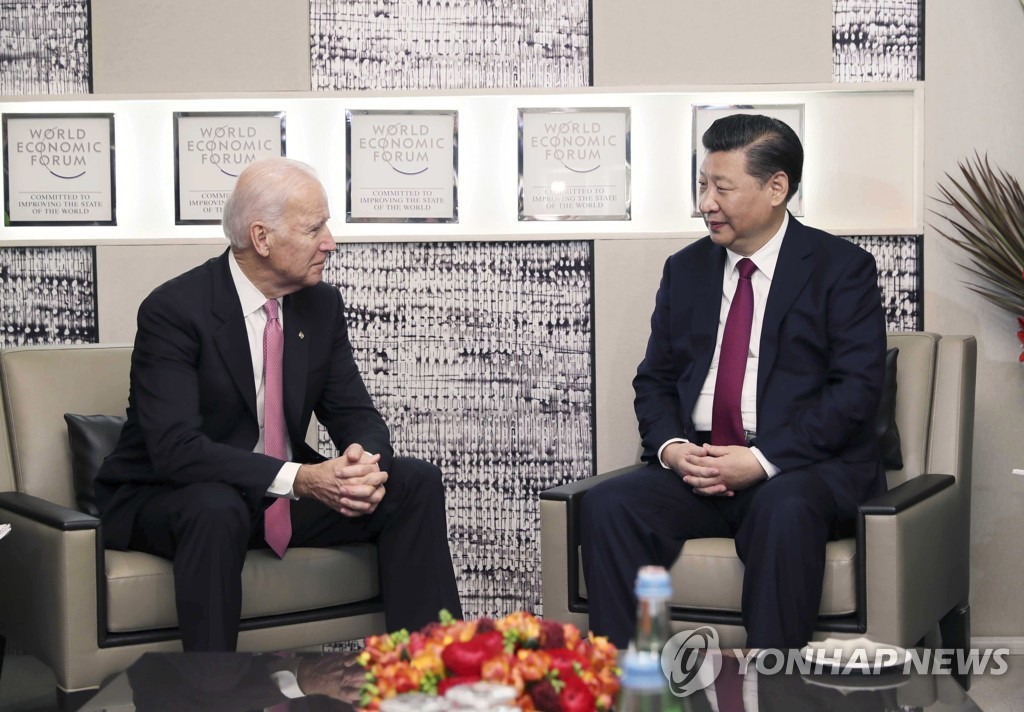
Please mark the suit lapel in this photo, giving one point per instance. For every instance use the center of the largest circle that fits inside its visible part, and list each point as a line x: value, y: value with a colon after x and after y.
x: 792, y: 271
x: 230, y: 335
x: 703, y: 332
x: 296, y: 359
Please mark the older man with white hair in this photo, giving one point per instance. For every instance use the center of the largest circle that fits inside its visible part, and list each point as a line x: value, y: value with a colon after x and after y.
x: 230, y: 361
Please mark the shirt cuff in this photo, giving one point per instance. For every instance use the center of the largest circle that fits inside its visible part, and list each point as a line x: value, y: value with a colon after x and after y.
x: 667, y: 443
x: 288, y: 683
x: 285, y: 481
x: 769, y: 469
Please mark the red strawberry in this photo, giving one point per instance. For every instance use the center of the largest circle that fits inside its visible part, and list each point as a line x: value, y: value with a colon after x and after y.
x: 493, y: 643
x: 463, y: 658
x: 562, y: 660
x: 467, y: 658
x: 575, y: 697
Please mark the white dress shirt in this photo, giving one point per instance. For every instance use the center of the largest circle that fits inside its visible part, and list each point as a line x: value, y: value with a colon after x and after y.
x: 765, y: 260
x: 252, y: 301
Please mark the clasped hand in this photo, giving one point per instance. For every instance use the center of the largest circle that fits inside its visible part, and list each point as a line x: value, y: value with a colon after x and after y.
x: 720, y: 470
x: 335, y: 675
x: 351, y: 484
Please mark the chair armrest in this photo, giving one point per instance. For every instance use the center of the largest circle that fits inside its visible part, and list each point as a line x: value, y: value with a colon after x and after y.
x: 53, y: 567
x: 571, y: 490
x: 906, y: 495
x: 559, y: 538
x: 48, y: 513
x: 913, y: 545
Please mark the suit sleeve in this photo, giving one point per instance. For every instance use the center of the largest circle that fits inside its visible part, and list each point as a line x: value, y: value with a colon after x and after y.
x: 656, y: 400
x: 836, y: 421
x: 345, y: 407
x: 166, y: 389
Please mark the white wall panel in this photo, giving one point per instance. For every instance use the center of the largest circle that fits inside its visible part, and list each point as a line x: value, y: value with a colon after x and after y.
x: 862, y: 159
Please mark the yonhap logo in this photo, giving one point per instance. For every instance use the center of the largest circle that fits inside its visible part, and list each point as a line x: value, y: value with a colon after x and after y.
x: 690, y: 661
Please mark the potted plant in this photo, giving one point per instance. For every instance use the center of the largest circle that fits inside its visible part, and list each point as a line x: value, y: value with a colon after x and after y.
x: 988, y: 224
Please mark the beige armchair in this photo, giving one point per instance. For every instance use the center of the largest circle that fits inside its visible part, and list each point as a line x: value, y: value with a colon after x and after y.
x: 89, y: 613
x: 904, y: 577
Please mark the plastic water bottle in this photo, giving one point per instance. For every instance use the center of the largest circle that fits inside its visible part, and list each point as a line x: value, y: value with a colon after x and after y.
x: 653, y: 619
x: 644, y: 686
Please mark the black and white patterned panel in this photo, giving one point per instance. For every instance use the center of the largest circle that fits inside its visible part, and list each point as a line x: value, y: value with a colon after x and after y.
x: 47, y: 296
x: 877, y: 40
x: 479, y: 356
x: 44, y: 47
x: 455, y: 44
x: 900, y: 277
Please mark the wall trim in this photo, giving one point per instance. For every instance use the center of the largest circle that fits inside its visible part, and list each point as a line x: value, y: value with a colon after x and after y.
x: 1014, y: 643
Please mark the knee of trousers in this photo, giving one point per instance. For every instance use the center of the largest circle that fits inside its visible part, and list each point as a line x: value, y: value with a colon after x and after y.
x: 602, y: 505
x: 215, y: 508
x: 790, y: 510
x: 419, y: 478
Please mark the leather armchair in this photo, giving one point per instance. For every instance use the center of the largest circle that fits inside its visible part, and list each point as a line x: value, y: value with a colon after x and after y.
x: 903, y: 578
x: 89, y: 613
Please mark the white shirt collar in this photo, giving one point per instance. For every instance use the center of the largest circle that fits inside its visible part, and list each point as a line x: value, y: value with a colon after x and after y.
x: 249, y: 296
x: 765, y: 258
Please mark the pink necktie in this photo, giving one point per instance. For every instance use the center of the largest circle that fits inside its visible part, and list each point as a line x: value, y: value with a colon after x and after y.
x: 277, y: 520
x: 727, y: 411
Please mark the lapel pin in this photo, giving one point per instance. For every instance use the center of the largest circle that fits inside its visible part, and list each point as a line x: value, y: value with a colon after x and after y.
x: 301, y: 335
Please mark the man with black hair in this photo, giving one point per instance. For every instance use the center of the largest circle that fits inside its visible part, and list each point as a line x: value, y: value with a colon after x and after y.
x: 755, y: 398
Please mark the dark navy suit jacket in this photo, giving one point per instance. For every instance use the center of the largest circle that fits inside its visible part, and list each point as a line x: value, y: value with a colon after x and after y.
x: 821, y: 358
x: 192, y: 406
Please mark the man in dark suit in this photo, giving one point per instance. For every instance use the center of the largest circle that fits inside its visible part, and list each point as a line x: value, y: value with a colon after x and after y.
x: 769, y: 441
x: 212, y: 439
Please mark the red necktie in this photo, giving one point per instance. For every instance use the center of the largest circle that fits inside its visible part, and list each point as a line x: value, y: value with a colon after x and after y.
x: 729, y: 686
x: 277, y: 520
x: 727, y: 411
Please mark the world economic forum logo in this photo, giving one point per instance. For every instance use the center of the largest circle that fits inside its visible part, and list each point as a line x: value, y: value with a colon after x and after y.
x: 690, y: 660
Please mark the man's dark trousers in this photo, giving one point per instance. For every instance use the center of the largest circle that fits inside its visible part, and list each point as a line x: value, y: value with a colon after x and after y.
x: 207, y: 528
x: 780, y: 526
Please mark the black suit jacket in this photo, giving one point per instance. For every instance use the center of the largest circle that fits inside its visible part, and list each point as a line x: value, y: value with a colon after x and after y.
x: 192, y: 405
x: 821, y: 358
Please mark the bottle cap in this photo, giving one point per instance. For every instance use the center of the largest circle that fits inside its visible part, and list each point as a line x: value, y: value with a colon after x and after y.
x: 653, y: 582
x: 642, y: 671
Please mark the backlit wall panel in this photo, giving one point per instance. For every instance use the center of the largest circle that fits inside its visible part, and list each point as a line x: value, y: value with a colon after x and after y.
x: 457, y: 44
x: 479, y: 357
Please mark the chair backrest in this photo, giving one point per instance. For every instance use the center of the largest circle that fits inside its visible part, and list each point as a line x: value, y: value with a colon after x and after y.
x: 42, y: 383
x: 937, y: 423
x: 915, y: 374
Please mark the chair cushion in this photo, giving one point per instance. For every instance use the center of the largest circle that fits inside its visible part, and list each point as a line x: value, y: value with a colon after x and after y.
x: 140, y: 587
x: 885, y: 422
x: 92, y: 438
x: 709, y: 575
